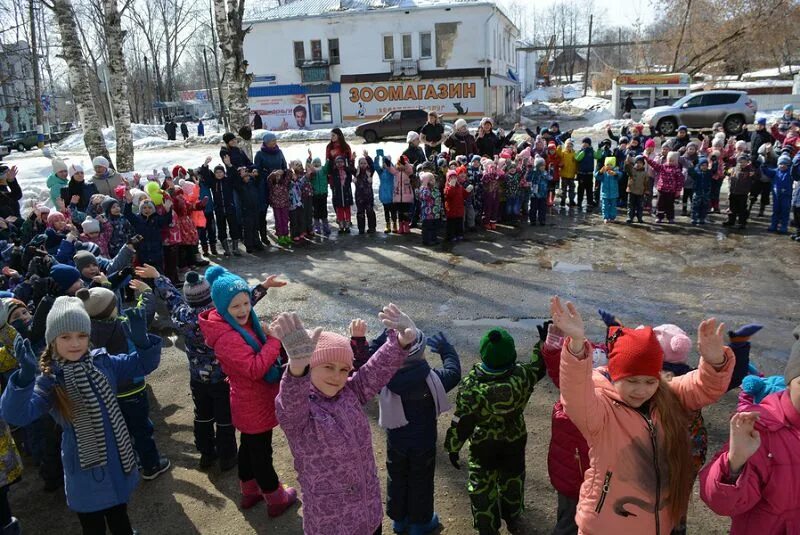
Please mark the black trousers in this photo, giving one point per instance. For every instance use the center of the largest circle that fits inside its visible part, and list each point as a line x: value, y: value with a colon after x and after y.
x: 390, y: 213
x: 115, y: 517
x: 429, y: 231
x: 365, y: 215
x: 255, y: 461
x: 409, y: 488
x: 454, y: 228
x: 212, y: 405
x: 737, y: 202
x: 762, y: 190
x: 250, y: 225
x: 320, y: 206
x: 432, y: 150
x: 585, y: 188
x: 227, y: 225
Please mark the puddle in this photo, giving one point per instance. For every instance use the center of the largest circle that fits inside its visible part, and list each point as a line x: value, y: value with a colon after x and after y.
x: 526, y: 324
x: 568, y: 267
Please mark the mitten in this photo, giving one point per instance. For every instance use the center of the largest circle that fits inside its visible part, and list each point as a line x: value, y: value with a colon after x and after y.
x: 608, y: 318
x: 28, y: 366
x: 543, y: 328
x: 438, y: 342
x: 136, y: 327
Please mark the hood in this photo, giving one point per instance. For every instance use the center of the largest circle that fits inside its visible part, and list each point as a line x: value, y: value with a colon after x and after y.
x: 53, y: 180
x: 409, y: 376
x: 213, y: 326
x: 775, y: 411
x: 659, y: 109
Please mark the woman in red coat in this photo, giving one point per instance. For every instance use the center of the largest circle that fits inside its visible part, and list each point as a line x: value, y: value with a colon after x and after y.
x: 338, y: 147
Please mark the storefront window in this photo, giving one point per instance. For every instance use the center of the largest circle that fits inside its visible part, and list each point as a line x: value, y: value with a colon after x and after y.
x: 321, y: 109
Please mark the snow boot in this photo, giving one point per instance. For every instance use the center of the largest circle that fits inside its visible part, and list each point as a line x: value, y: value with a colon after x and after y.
x: 226, y: 248
x: 198, y: 260
x: 399, y: 526
x: 235, y: 248
x: 213, y: 248
x: 394, y: 227
x: 280, y: 500
x: 424, y: 529
x: 205, y: 249
x: 251, y: 494
x: 326, y: 229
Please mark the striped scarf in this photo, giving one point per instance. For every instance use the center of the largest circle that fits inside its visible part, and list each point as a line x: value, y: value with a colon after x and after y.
x: 80, y: 377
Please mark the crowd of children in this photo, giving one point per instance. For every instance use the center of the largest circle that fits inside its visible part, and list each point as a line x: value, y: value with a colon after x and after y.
x: 81, y: 279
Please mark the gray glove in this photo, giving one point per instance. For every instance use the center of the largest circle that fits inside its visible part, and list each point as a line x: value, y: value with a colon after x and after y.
x: 298, y: 343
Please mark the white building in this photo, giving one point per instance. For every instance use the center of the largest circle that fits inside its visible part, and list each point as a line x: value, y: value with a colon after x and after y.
x: 321, y: 63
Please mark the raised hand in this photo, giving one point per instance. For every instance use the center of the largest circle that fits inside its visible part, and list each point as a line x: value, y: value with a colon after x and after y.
x: 710, y: 343
x: 393, y: 318
x: 608, y: 318
x: 358, y: 328
x: 297, y: 342
x: 543, y: 330
x: 136, y: 327
x: 139, y: 286
x: 745, y: 439
x: 438, y: 342
x: 272, y: 282
x: 568, y: 319
x: 27, y: 361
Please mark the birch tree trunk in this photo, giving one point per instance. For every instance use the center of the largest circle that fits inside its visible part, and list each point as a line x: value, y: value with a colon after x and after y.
x: 118, y: 86
x: 237, y: 80
x: 79, y: 79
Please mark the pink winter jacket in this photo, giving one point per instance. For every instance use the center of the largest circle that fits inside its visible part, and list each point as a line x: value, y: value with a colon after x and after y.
x: 628, y: 470
x: 331, y: 444
x: 668, y: 178
x: 765, y: 499
x: 252, y: 398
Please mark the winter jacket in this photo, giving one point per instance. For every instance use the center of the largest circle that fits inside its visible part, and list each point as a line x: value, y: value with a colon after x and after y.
x: 618, y: 490
x: 402, y: 192
x: 569, y: 166
x: 341, y: 182
x: 278, y: 190
x: 221, y: 191
x: 55, y: 184
x: 386, y: 187
x: 183, y: 209
x: 106, y: 183
x: 741, y: 179
x: 332, y: 150
x: 553, y: 163
x: 10, y: 461
x: 539, y: 181
x: 638, y: 181
x: 702, y: 182
x: 365, y: 196
x: 252, y: 398
x: 491, y: 144
x: 609, y: 185
x: 764, y: 498
x: 319, y: 181
x: 512, y: 184
x: 150, y: 249
x: 84, y: 189
x: 331, y: 445
x: 462, y: 145
x: 266, y: 161
x: 415, y: 155
x: 758, y: 138
x: 426, y: 203
x: 100, y: 487
x: 669, y: 178
x: 781, y: 180
x: 204, y: 367
x: 585, y: 159
x: 454, y: 201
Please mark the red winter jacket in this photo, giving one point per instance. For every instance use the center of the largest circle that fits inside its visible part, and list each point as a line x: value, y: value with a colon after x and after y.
x: 252, y: 398
x: 568, y: 455
x: 454, y: 200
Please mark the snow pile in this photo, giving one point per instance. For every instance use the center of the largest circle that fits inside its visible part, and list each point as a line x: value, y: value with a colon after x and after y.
x: 542, y: 94
x: 139, y: 132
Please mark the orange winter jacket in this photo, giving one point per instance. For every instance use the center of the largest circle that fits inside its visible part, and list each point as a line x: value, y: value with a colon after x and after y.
x: 628, y: 466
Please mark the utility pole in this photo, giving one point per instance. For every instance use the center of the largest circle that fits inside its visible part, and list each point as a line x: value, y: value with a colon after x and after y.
x: 148, y: 102
x: 619, y: 49
x: 588, y: 57
x: 37, y: 83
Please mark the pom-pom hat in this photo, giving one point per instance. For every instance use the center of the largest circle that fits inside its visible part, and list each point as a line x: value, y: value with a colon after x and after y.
x: 224, y: 287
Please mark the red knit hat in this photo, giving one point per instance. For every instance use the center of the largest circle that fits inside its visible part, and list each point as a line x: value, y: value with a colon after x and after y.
x: 178, y: 170
x: 633, y: 352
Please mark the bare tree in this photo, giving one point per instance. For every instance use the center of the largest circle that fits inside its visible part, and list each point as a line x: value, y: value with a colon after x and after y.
x: 79, y: 81
x: 118, y: 85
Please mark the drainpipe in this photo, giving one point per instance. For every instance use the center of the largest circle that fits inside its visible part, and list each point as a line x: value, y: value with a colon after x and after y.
x: 486, y: 63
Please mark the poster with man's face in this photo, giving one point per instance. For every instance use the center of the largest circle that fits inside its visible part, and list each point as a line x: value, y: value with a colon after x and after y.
x: 284, y: 112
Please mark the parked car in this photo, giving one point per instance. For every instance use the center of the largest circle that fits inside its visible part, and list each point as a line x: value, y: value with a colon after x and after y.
x: 187, y: 118
x: 734, y: 109
x: 21, y: 141
x: 394, y: 124
x: 3, y: 151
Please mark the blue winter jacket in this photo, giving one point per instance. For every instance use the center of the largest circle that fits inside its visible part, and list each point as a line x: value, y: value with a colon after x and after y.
x: 100, y: 487
x: 781, y: 180
x: 151, y: 248
x: 409, y: 382
x: 609, y: 185
x: 586, y: 161
x: 702, y: 182
x: 386, y: 188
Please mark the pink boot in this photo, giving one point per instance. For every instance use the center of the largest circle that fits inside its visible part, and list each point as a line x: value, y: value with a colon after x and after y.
x: 251, y: 494
x: 280, y: 500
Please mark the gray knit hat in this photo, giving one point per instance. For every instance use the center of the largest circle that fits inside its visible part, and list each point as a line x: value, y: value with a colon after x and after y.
x: 84, y: 259
x: 793, y: 366
x: 66, y: 316
x: 196, y: 290
x: 100, y: 303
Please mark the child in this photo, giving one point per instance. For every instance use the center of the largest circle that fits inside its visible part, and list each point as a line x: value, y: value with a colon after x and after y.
x: 489, y: 413
x: 585, y: 162
x: 341, y: 180
x: 249, y: 189
x: 150, y: 224
x: 490, y: 181
x: 279, y: 200
x: 77, y: 387
x: 629, y: 414
x: 403, y: 194
x: 569, y: 168
x: 307, y: 197
x: 426, y: 202
x: 741, y: 178
x: 454, y: 207
x: 251, y: 360
x: 554, y: 164
x: 690, y: 160
x: 669, y: 182
x: 319, y: 403
x: 512, y: 191
x: 608, y: 176
x: 702, y: 177
x: 383, y: 165
x: 473, y: 210
x: 10, y: 473
x: 538, y: 180
x: 796, y: 206
x: 365, y: 197
x: 210, y: 390
x: 319, y: 181
x: 638, y: 185
x: 753, y: 479
x: 121, y: 229
x: 409, y: 406
x: 97, y: 231
x: 782, y: 179
x: 296, y: 223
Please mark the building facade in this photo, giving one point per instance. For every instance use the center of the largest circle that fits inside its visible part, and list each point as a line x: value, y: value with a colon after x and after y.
x: 323, y: 63
x: 17, y: 111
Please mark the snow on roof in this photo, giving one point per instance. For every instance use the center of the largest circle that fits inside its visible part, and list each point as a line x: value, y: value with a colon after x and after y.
x: 733, y: 84
x: 785, y: 70
x: 263, y: 11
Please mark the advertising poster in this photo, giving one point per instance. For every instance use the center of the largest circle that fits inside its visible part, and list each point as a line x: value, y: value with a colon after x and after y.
x: 285, y: 112
x: 453, y: 98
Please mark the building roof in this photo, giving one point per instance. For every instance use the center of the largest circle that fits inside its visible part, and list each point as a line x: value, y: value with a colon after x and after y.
x: 266, y: 11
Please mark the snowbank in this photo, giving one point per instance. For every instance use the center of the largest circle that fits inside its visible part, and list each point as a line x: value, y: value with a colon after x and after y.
x: 785, y: 70
x: 557, y: 92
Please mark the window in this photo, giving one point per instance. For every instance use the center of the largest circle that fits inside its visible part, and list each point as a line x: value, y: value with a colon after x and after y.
x: 393, y: 117
x: 406, y: 46
x: 425, y: 45
x: 321, y: 109
x: 299, y: 52
x: 720, y: 99
x: 388, y: 47
x: 333, y: 51
x: 316, y: 50
x: 694, y: 102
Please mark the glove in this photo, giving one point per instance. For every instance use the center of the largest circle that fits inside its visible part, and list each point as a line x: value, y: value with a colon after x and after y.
x: 608, y: 318
x: 470, y: 188
x: 136, y: 327
x: 438, y: 342
x: 135, y: 240
x: 299, y: 346
x: 394, y: 318
x: 543, y: 328
x: 744, y: 332
x: 455, y: 461
x: 28, y: 366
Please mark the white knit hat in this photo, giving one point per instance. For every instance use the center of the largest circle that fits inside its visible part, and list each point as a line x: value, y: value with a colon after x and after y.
x: 100, y: 161
x: 58, y: 165
x: 412, y: 136
x: 75, y: 168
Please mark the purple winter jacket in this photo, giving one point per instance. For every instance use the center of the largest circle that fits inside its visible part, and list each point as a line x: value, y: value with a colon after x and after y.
x: 331, y: 444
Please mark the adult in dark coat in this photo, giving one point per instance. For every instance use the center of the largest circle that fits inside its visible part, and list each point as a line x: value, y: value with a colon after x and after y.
x: 258, y: 124
x: 233, y: 157
x: 171, y: 128
x: 10, y: 192
x: 184, y: 130
x: 461, y: 142
x: 77, y: 185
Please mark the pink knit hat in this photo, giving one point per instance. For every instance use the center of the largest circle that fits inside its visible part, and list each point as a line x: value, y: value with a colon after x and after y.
x: 332, y: 347
x: 675, y: 343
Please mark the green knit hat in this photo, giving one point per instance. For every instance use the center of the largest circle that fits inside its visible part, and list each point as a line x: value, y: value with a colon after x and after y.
x: 497, y: 349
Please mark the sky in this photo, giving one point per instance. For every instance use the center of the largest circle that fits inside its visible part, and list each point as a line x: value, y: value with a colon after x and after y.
x: 616, y: 12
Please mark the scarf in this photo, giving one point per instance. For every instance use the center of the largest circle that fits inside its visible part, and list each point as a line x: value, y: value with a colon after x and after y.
x: 79, y: 378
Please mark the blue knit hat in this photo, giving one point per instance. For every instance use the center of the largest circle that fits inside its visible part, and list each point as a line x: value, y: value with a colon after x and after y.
x: 702, y: 161
x: 269, y: 136
x: 65, y: 276
x: 762, y: 121
x: 224, y: 287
